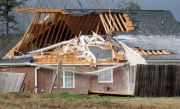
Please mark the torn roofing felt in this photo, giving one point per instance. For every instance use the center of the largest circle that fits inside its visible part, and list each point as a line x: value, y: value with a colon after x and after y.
x: 154, y: 30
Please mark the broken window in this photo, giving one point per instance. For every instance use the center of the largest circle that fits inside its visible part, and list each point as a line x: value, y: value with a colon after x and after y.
x: 67, y: 80
x: 105, y: 76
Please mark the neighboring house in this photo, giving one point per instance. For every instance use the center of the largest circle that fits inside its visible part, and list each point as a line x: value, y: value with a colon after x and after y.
x: 90, y: 51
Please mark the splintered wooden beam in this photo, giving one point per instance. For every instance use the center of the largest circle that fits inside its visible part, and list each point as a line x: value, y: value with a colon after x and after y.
x: 123, y: 22
x: 35, y: 30
x: 41, y: 10
x: 104, y: 24
x: 112, y: 19
x: 94, y: 16
x: 149, y: 53
x: 68, y: 31
x: 74, y: 26
x: 63, y: 28
x: 78, y: 28
x: 154, y: 53
x: 11, y: 52
x: 129, y: 23
x: 43, y: 35
x: 117, y: 20
x: 109, y: 22
x: 62, y: 17
x: 143, y: 52
x: 55, y: 20
x: 97, y: 28
x: 95, y: 23
x: 167, y: 52
x: 84, y: 26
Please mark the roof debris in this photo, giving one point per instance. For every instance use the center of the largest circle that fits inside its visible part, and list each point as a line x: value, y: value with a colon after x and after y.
x: 84, y: 49
x: 143, y: 52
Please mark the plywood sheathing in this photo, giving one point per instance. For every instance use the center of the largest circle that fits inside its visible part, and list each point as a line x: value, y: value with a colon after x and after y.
x: 52, y: 26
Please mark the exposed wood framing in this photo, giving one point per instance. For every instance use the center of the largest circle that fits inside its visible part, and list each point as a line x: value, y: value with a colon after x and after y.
x: 63, y: 28
x: 152, y: 52
x: 63, y: 17
x: 55, y: 20
x: 52, y: 26
x: 11, y: 52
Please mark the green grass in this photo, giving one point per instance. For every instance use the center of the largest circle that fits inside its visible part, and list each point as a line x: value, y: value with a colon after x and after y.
x: 2, y: 98
x: 64, y: 96
x: 78, y: 101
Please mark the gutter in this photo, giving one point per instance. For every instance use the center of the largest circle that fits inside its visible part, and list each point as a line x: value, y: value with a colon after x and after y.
x: 37, y: 66
x: 68, y: 64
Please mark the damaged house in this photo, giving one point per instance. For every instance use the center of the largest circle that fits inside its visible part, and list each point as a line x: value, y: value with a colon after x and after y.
x: 94, y: 51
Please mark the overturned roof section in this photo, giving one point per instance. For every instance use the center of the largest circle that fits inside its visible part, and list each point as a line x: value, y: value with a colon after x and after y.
x: 154, y: 30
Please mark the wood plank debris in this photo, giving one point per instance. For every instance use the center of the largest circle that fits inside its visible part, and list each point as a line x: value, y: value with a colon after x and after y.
x: 85, y: 49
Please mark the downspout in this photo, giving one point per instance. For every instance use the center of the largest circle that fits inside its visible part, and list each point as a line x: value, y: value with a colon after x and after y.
x: 35, y: 79
x: 129, y: 69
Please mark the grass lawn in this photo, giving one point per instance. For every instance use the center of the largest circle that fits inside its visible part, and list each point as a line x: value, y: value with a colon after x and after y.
x: 76, y: 101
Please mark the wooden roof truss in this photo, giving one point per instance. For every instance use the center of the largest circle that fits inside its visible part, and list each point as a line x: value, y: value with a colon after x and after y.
x: 143, y: 52
x: 51, y: 26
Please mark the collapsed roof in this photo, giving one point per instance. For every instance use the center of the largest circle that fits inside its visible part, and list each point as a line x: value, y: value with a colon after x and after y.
x: 154, y: 33
x: 50, y: 26
x: 90, y: 49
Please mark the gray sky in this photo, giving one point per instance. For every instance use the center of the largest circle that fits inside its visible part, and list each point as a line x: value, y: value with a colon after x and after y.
x: 172, y: 5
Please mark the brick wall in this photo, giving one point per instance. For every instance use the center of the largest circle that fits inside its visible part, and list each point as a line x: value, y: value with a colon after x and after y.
x: 83, y: 83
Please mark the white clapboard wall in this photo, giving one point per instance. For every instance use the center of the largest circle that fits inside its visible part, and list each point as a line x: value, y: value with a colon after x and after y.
x: 11, y: 82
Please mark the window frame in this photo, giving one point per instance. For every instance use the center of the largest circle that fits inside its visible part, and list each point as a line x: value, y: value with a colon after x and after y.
x: 63, y: 83
x: 99, y: 81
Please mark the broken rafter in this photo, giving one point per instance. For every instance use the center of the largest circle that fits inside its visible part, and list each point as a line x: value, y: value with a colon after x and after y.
x: 112, y: 19
x: 104, y: 24
x: 118, y: 22
x: 11, y: 52
x: 152, y: 52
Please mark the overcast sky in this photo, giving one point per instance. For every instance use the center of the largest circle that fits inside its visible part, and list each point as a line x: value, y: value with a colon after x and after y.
x: 172, y: 5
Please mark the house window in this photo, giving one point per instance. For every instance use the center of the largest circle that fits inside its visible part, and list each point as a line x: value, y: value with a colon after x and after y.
x: 67, y: 80
x: 105, y: 76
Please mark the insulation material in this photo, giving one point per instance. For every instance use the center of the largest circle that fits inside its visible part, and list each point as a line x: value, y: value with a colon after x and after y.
x: 11, y: 82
